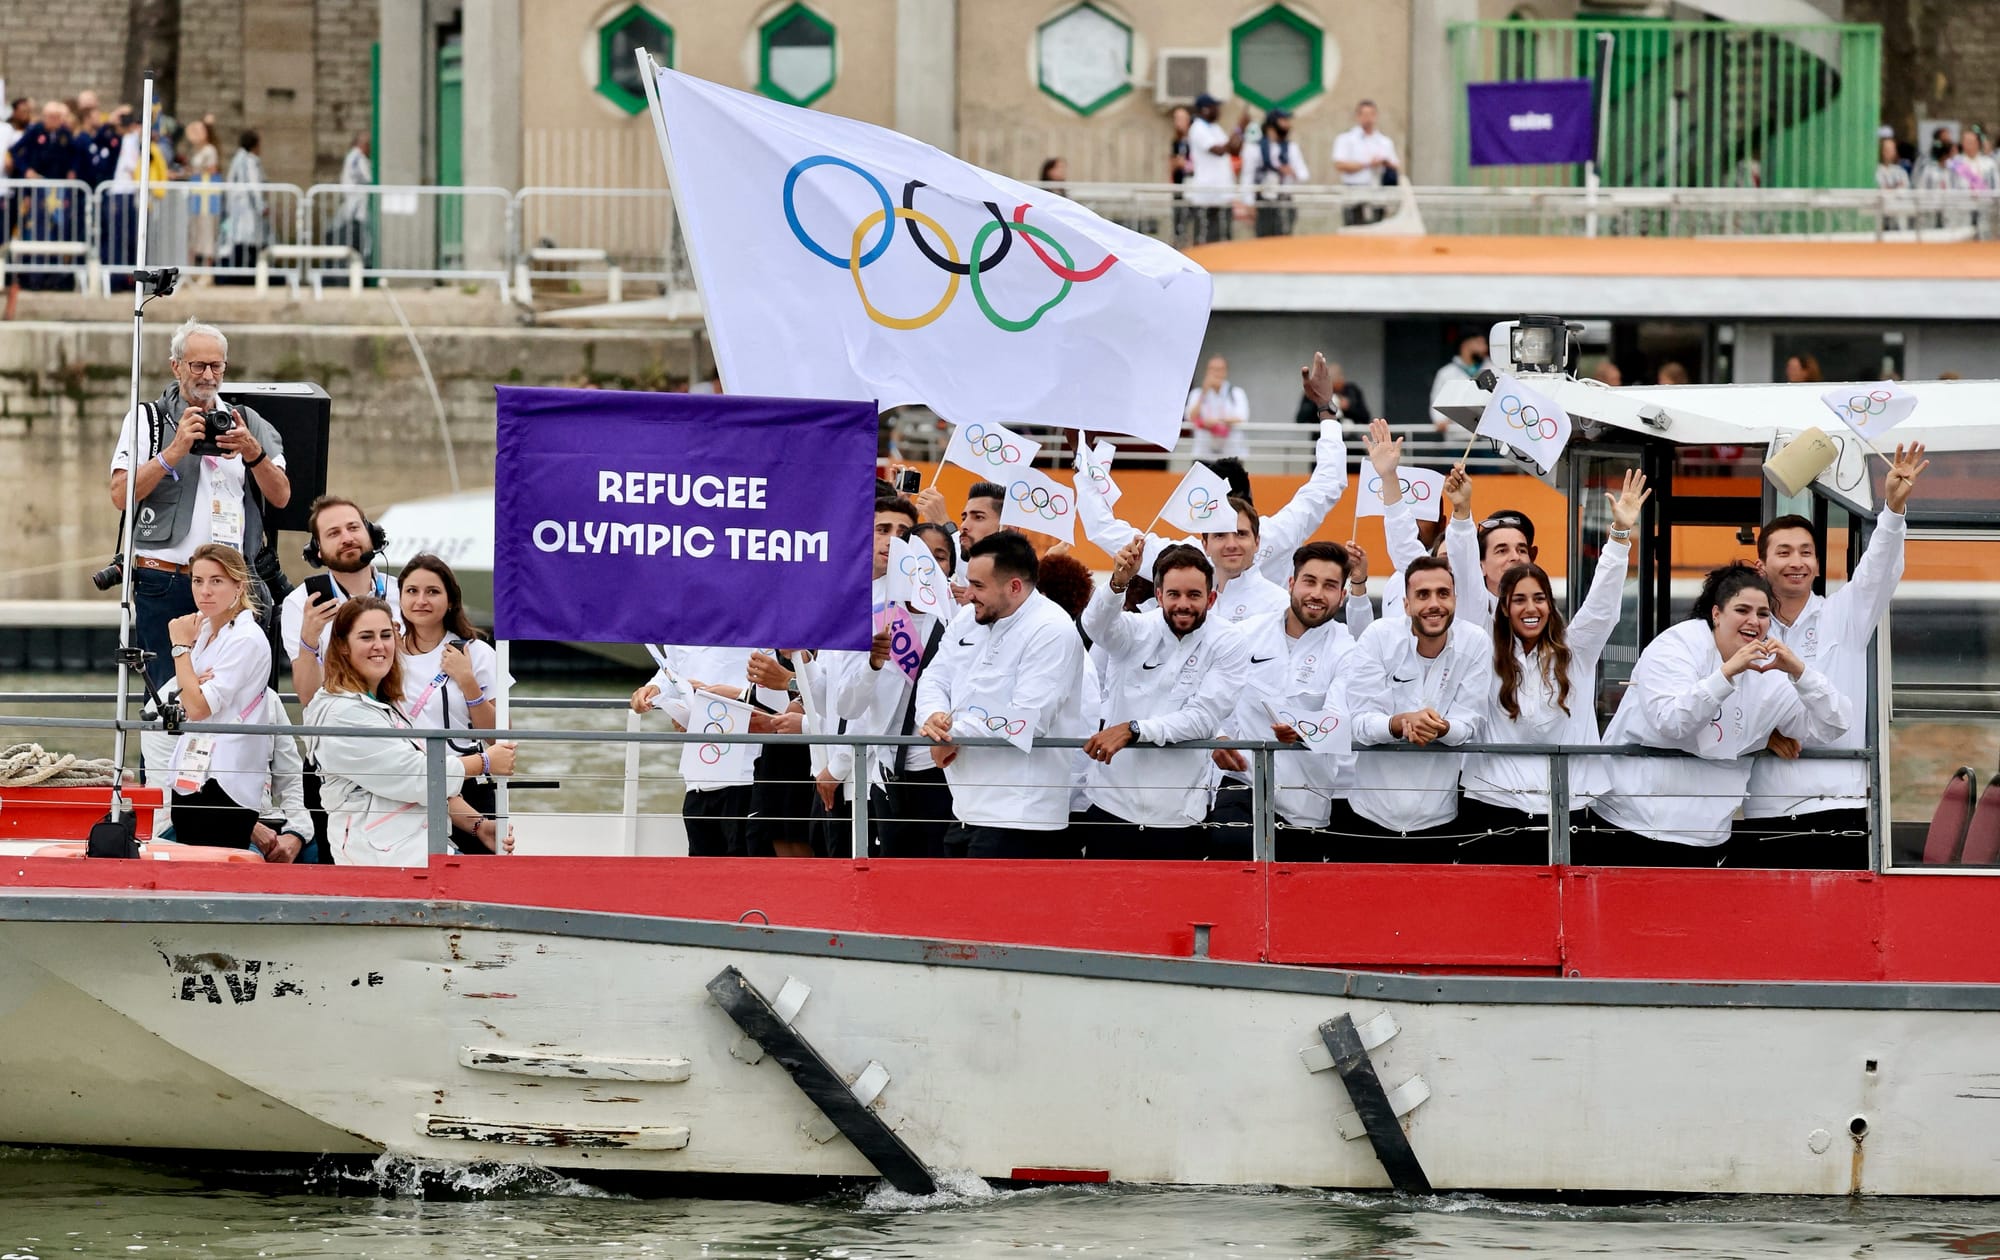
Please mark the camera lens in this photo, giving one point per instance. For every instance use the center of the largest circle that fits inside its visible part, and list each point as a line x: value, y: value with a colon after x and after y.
x: 108, y: 576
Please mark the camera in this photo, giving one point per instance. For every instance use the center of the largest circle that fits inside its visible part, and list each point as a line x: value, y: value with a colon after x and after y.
x: 110, y: 575
x: 214, y: 425
x: 909, y: 481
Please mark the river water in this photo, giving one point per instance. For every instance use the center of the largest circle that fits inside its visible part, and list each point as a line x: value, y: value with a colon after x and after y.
x: 62, y: 1204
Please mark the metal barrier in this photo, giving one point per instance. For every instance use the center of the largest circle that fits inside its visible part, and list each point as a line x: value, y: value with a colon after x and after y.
x: 48, y: 228
x: 1262, y: 779
x: 226, y: 232
x: 409, y: 231
x: 600, y: 234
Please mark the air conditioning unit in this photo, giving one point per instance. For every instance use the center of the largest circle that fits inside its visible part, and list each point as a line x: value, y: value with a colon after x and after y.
x: 1185, y: 73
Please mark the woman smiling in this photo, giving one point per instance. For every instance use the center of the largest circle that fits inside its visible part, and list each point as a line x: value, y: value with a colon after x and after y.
x: 222, y: 662
x: 374, y: 788
x: 450, y: 675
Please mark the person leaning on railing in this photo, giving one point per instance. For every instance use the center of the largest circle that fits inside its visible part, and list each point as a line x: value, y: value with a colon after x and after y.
x: 375, y: 790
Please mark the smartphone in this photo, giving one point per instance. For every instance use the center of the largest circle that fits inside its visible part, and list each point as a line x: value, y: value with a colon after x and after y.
x: 909, y: 481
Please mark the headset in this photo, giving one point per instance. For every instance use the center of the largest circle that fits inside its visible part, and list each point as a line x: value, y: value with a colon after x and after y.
x: 377, y: 540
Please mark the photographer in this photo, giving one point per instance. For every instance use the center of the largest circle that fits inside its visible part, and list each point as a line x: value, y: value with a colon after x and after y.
x: 205, y: 470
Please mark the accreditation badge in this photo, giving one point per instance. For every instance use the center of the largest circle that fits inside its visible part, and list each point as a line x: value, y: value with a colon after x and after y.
x: 225, y: 522
x: 191, y: 767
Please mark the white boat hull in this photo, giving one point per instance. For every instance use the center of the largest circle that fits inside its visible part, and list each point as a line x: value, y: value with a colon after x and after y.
x: 589, y: 1041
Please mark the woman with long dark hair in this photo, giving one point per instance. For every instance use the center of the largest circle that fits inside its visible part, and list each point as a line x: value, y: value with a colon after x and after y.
x: 1717, y: 685
x: 450, y: 674
x: 1544, y: 670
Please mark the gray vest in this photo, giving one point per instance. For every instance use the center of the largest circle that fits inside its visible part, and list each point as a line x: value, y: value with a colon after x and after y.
x: 165, y: 514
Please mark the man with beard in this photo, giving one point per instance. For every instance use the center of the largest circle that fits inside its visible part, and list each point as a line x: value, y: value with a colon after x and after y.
x: 1419, y: 679
x: 343, y: 543
x: 193, y: 485
x: 1293, y: 661
x: 1010, y: 656
x: 1172, y: 675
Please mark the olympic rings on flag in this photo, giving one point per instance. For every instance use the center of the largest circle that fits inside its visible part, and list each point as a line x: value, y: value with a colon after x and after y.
x: 1201, y: 504
x: 1043, y: 503
x: 1873, y: 403
x: 950, y: 263
x: 998, y: 725
x: 1309, y: 731
x: 717, y: 724
x: 922, y: 570
x: 1528, y: 418
x: 996, y: 449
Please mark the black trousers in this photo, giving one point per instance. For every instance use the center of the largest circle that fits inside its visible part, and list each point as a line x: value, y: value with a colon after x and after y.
x: 1493, y: 835
x: 832, y: 829
x: 210, y: 817
x: 1831, y: 840
x: 964, y: 840
x: 715, y: 821
x: 1107, y: 837
x: 781, y: 794
x: 1597, y: 842
x: 1352, y: 838
x: 916, y: 815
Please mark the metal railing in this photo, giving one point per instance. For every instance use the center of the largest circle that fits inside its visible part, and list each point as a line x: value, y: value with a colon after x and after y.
x: 1261, y: 753
x: 612, y: 236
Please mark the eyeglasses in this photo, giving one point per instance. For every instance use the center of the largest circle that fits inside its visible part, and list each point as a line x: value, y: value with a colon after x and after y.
x: 206, y: 369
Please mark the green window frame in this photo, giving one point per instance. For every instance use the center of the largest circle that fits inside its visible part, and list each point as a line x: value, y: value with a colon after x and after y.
x: 1085, y: 108
x: 608, y: 61
x: 1315, y: 41
x: 770, y: 86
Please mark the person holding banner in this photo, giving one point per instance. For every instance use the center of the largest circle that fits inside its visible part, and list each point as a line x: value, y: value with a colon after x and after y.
x: 1293, y: 665
x: 1803, y: 815
x: 1717, y: 685
x: 1419, y: 679
x: 1544, y: 669
x: 1173, y: 675
x: 374, y: 788
x: 1010, y: 665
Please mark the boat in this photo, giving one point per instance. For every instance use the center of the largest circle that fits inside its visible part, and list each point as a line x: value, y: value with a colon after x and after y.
x: 1543, y: 1030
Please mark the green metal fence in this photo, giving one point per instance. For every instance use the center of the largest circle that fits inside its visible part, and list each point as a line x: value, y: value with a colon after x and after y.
x: 1693, y: 104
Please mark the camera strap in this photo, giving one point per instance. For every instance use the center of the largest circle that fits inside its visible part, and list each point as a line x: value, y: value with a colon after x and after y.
x: 157, y: 438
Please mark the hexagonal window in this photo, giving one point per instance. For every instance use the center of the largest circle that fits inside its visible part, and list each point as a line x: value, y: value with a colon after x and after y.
x: 617, y: 69
x: 1276, y: 59
x: 1083, y: 58
x: 795, y: 56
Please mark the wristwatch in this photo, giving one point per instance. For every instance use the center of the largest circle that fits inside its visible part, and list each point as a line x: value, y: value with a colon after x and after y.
x: 1329, y: 413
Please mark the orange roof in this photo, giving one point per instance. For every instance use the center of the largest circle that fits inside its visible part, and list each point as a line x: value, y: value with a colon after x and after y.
x: 1360, y: 254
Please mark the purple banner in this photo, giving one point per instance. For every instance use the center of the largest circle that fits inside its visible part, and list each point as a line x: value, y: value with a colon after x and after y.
x: 683, y: 518
x: 1530, y: 124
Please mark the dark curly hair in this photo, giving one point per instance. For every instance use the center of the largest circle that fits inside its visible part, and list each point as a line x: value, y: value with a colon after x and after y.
x: 1724, y: 584
x: 1067, y: 581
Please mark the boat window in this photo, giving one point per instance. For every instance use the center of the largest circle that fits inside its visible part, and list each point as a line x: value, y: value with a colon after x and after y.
x: 1960, y: 487
x: 1944, y: 709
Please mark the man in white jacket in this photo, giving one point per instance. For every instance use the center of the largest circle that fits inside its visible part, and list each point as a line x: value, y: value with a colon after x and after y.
x: 1480, y: 554
x: 1173, y: 675
x: 1802, y: 815
x: 1010, y: 664
x: 1421, y: 680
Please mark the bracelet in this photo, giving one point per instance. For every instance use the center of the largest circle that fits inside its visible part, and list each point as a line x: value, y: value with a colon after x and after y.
x: 172, y: 471
x: 1621, y: 535
x: 473, y: 702
x: 248, y: 464
x: 1117, y: 590
x: 310, y: 648
x: 1362, y: 585
x: 485, y: 765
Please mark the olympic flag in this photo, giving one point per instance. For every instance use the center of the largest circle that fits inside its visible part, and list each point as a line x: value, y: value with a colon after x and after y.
x: 916, y: 580
x: 1200, y: 504
x: 1423, y: 493
x: 841, y: 260
x: 991, y: 449
x: 1038, y: 502
x: 1524, y: 420
x: 1870, y: 410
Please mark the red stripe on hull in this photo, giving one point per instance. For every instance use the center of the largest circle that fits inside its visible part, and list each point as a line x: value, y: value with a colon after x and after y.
x: 1595, y: 922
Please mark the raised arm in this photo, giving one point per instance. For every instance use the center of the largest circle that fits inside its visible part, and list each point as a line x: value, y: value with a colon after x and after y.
x: 1602, y: 605
x: 1105, y: 619
x: 1283, y: 530
x: 1862, y: 603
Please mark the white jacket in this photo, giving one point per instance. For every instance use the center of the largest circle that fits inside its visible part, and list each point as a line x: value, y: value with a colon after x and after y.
x: 1030, y: 659
x: 875, y: 700
x: 1468, y: 575
x: 1278, y: 535
x: 1678, y: 698
x: 375, y: 790
x: 1171, y: 689
x: 1523, y: 782
x: 1303, y: 676
x: 1399, y: 526
x: 1832, y: 635
x: 1385, y: 676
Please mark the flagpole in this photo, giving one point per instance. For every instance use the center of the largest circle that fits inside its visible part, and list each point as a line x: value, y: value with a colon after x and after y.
x: 1467, y: 452
x: 649, y: 74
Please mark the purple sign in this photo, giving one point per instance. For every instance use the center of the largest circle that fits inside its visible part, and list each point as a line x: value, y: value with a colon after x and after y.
x: 1531, y: 123
x: 683, y: 518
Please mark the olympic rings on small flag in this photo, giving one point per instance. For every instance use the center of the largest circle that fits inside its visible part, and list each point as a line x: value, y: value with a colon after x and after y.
x: 922, y: 570
x: 1046, y: 504
x: 1873, y: 403
x: 1528, y: 418
x: 717, y: 724
x: 997, y: 450
x: 998, y: 725
x: 1202, y: 504
x: 1309, y: 731
x: 862, y: 252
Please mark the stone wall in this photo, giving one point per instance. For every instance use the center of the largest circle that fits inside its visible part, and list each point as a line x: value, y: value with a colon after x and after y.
x: 211, y: 78
x: 1937, y: 60
x: 60, y: 50
x: 343, y: 32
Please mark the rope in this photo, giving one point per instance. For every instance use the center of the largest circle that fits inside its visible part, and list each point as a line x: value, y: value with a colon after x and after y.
x: 29, y: 765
